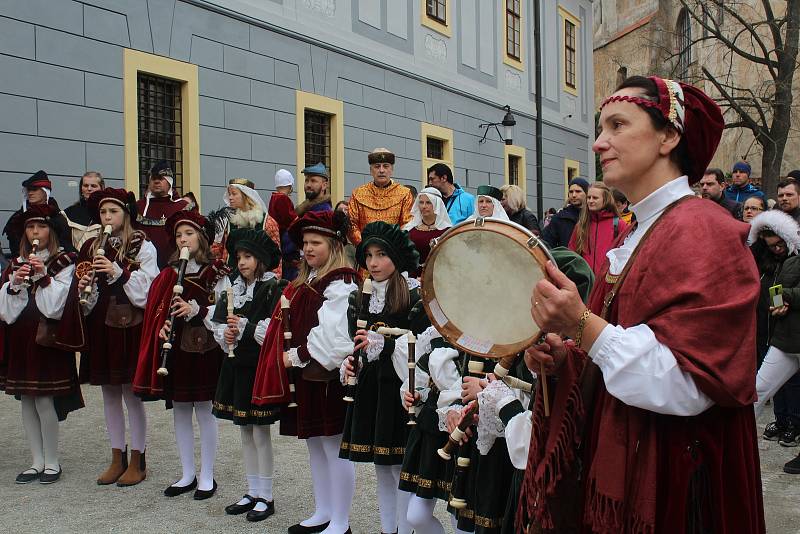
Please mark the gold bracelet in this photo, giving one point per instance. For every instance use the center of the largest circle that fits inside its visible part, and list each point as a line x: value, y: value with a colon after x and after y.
x: 581, y: 325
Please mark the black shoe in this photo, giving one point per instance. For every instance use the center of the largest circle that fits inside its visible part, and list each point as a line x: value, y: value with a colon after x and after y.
x: 300, y: 529
x: 201, y: 495
x: 174, y: 491
x: 236, y: 508
x: 773, y: 431
x: 792, y: 466
x: 49, y: 478
x: 26, y: 477
x: 256, y: 515
x: 790, y: 436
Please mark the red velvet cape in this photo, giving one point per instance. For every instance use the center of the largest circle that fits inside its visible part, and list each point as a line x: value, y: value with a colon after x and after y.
x: 146, y: 381
x: 696, y: 286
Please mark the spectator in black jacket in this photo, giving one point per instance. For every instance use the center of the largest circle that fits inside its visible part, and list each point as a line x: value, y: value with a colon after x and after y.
x: 712, y: 186
x: 517, y: 210
x: 558, y: 232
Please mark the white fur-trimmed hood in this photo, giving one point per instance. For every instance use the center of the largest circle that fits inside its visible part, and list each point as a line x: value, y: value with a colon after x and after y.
x: 779, y: 222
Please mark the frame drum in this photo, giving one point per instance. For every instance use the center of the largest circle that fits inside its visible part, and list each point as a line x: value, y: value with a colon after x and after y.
x: 477, y: 286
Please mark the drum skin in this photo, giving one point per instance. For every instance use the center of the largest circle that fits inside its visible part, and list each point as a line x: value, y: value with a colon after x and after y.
x: 477, y: 286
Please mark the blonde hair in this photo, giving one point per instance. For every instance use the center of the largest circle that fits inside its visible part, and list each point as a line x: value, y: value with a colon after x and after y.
x: 25, y: 247
x: 336, y: 260
x: 515, y: 197
x: 582, y: 227
x: 247, y: 202
x: 203, y: 254
x: 125, y: 234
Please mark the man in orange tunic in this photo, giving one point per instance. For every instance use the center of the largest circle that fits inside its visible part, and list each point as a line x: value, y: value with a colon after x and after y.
x: 381, y: 200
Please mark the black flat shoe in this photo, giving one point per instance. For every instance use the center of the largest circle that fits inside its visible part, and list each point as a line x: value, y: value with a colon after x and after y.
x: 201, y: 495
x: 26, y: 477
x: 174, y: 491
x: 254, y: 515
x: 49, y: 478
x: 236, y: 508
x: 300, y: 529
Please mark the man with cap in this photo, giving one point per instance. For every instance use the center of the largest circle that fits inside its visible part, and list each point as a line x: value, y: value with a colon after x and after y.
x: 458, y: 202
x: 35, y: 190
x: 315, y: 187
x: 559, y: 231
x: 157, y: 206
x: 281, y: 209
x: 741, y: 189
x: 380, y: 200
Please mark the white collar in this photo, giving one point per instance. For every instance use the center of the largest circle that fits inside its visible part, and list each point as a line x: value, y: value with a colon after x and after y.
x: 657, y: 201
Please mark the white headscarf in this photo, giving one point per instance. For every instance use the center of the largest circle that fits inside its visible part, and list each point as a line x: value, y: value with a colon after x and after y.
x: 498, y: 213
x: 249, y: 192
x: 442, y: 218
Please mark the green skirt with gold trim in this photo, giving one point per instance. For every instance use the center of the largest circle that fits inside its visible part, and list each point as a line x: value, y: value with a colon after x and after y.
x: 376, y: 426
x: 233, y: 399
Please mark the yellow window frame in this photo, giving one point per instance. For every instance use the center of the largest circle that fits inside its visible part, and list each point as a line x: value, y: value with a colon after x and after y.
x: 445, y: 29
x: 518, y: 152
x: 570, y: 164
x: 508, y: 60
x: 334, y: 108
x: 436, y: 132
x: 135, y: 62
x: 567, y: 16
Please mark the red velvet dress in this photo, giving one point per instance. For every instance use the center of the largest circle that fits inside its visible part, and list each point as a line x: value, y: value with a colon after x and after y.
x: 153, y: 221
x: 111, y: 353
x: 422, y: 241
x: 195, y: 359
x: 32, y: 369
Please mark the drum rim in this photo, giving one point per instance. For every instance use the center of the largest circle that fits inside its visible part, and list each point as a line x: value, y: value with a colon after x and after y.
x: 451, y: 332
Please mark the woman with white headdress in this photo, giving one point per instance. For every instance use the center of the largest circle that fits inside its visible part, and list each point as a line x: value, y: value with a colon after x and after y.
x: 429, y: 220
x: 244, y: 209
x: 488, y: 204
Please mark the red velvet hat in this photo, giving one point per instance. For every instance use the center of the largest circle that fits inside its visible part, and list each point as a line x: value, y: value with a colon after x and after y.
x: 329, y: 223
x: 39, y: 179
x: 692, y: 112
x: 192, y: 218
x: 49, y: 215
x: 122, y: 197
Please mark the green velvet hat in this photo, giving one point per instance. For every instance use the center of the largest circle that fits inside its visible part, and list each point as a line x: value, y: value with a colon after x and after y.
x: 575, y: 267
x: 256, y: 242
x: 490, y: 191
x: 394, y: 241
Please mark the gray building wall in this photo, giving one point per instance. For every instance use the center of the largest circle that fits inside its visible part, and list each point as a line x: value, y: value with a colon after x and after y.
x: 61, y: 95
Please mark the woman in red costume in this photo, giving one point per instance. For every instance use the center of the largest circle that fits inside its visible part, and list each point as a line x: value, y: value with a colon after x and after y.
x: 652, y: 427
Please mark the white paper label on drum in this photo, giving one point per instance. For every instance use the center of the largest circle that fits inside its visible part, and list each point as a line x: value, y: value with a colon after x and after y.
x: 438, y: 315
x: 474, y: 344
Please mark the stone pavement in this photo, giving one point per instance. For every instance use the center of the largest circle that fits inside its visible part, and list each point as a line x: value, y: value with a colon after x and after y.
x: 76, y: 504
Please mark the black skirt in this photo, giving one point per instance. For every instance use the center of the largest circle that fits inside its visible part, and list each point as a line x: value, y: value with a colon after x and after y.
x: 424, y: 472
x: 233, y: 399
x: 376, y: 425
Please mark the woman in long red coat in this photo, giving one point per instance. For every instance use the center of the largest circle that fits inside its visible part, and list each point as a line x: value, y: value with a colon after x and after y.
x: 599, y: 224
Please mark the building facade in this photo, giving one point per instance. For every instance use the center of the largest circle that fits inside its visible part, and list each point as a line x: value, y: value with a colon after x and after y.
x: 241, y: 88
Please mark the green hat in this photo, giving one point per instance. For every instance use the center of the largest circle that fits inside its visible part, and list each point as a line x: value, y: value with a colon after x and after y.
x: 575, y: 267
x: 394, y: 241
x: 490, y: 191
x: 258, y: 243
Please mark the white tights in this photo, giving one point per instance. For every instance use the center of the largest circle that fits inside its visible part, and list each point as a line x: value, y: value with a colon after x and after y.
x: 115, y: 417
x: 184, y: 436
x: 778, y: 367
x: 392, y: 503
x: 259, y: 463
x: 454, y: 524
x: 40, y: 421
x: 334, y: 481
x: 420, y: 516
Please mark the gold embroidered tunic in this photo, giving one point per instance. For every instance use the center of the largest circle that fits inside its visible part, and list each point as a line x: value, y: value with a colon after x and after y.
x: 370, y: 203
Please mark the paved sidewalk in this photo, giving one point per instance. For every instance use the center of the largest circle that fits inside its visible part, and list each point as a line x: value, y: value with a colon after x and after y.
x: 76, y: 504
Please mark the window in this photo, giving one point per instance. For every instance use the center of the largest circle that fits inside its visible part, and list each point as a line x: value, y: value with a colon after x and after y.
x: 161, y: 120
x: 572, y: 169
x: 317, y: 138
x: 436, y: 9
x: 437, y: 147
x: 435, y: 14
x: 512, y: 14
x: 515, y: 165
x: 683, y: 36
x: 160, y: 133
x: 569, y: 41
x: 320, y: 137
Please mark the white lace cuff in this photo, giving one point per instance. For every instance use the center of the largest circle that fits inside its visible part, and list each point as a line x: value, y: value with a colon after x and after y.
x: 91, y: 301
x: 342, y: 377
x: 295, y: 359
x: 117, y: 273
x: 241, y: 326
x: 442, y: 413
x: 490, y: 426
x: 38, y: 276
x: 424, y: 340
x: 194, y: 311
x: 375, y: 346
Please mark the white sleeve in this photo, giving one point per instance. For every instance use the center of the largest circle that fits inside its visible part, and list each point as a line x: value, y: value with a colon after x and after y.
x: 138, y: 285
x: 518, y: 438
x: 51, y: 299
x: 261, y: 330
x: 421, y: 381
x: 218, y: 329
x: 642, y: 372
x: 400, y: 357
x: 329, y: 342
x: 11, y: 305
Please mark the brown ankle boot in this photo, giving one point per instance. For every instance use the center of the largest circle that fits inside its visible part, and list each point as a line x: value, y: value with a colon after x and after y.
x: 119, y: 463
x: 136, y: 472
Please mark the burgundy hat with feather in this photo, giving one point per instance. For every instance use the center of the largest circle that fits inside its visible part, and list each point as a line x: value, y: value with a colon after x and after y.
x: 191, y: 218
x: 329, y: 223
x: 121, y: 197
